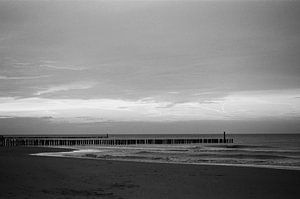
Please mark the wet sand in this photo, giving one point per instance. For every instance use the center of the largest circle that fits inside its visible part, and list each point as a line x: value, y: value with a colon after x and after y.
x: 25, y: 176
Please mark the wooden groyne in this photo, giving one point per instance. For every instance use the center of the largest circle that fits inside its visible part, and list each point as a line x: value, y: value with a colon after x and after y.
x: 102, y: 140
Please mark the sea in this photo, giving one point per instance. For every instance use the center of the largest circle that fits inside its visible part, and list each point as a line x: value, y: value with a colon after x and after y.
x: 279, y: 151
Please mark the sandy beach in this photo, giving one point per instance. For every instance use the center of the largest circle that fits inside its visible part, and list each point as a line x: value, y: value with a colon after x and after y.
x: 25, y: 176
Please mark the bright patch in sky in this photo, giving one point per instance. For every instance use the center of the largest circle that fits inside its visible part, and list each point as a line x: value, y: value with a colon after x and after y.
x: 237, y: 106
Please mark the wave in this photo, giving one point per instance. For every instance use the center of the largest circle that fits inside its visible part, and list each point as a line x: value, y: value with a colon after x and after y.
x: 234, y: 154
x: 242, y: 156
x: 249, y: 150
x: 266, y: 162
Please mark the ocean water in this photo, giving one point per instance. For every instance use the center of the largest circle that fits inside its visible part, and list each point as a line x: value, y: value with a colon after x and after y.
x: 255, y: 150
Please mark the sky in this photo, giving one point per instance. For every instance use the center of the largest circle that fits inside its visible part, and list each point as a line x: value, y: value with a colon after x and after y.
x: 93, y: 63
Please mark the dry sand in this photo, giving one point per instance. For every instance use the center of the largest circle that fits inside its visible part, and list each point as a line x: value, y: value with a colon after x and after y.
x: 25, y: 176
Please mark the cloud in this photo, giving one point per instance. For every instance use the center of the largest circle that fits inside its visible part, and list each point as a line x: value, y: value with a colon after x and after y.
x: 66, y: 87
x: 2, y: 77
x: 52, y: 66
x: 5, y: 117
x: 269, y: 104
x: 21, y: 64
x: 76, y: 108
x: 274, y: 104
x: 48, y: 64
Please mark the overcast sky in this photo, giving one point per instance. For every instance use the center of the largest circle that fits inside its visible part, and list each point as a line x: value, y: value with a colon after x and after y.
x: 100, y: 61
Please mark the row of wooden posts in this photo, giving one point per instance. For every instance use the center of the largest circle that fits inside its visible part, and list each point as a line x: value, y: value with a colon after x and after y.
x: 32, y: 141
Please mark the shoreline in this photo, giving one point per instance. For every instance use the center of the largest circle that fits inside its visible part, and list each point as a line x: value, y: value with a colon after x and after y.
x: 162, y: 162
